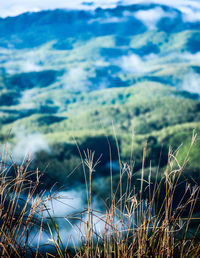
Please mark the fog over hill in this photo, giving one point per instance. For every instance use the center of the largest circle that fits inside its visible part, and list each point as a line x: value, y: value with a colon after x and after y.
x: 72, y: 70
x: 34, y: 29
x: 189, y: 8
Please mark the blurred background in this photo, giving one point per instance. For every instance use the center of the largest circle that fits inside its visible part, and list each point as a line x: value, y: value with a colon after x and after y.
x: 99, y: 74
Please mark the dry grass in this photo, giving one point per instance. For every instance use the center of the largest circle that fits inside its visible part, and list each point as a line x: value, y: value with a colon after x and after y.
x: 21, y: 208
x: 132, y: 225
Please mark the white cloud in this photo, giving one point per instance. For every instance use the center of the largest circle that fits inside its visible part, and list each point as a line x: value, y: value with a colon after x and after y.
x: 150, y: 57
x: 27, y: 98
x: 24, y: 66
x: 76, y: 78
x: 28, y: 61
x: 28, y: 145
x: 190, y: 14
x: 190, y: 8
x: 30, y: 67
x: 108, y: 20
x: 65, y: 203
x: 135, y: 64
x: 103, y: 84
x: 151, y: 17
x: 15, y: 7
x: 190, y: 57
x: 191, y: 83
x: 61, y: 207
x: 131, y: 64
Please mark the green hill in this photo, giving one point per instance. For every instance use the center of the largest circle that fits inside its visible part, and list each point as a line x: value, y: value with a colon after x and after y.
x: 78, y: 74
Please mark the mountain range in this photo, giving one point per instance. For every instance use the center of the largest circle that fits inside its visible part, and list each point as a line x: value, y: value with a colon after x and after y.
x: 71, y: 74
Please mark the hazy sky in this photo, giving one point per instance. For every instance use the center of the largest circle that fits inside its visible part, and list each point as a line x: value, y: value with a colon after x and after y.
x: 190, y: 8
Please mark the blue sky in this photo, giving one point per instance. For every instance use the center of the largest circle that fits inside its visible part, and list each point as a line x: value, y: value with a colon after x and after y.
x: 189, y: 8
